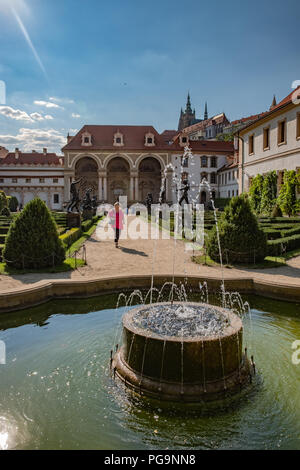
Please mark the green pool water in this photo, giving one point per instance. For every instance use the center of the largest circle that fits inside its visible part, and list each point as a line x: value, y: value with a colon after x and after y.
x: 56, y: 391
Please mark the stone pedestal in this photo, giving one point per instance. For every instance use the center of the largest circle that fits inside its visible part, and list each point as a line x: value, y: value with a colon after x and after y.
x: 73, y: 219
x: 88, y: 214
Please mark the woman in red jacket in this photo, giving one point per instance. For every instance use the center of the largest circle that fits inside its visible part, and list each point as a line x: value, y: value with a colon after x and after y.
x: 117, y: 219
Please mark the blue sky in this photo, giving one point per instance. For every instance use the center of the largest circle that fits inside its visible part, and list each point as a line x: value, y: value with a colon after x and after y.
x: 72, y: 62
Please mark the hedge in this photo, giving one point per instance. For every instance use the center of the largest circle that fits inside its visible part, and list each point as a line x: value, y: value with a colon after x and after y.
x: 71, y: 236
x: 86, y: 225
x: 279, y: 220
x: 221, y: 203
x: 283, y: 245
x: 32, y: 240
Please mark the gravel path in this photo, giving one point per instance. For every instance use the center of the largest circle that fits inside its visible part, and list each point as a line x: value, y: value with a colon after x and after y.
x: 144, y: 256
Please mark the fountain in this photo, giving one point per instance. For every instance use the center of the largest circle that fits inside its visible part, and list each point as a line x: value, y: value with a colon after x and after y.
x: 183, y: 351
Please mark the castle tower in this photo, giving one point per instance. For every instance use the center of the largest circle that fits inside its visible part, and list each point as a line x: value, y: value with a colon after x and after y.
x: 187, y: 117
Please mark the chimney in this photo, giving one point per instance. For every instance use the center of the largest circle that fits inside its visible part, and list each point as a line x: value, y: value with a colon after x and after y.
x: 69, y: 138
x: 44, y: 151
x: 3, y: 152
x: 17, y: 152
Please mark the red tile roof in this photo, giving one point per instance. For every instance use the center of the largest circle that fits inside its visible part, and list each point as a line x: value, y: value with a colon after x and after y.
x: 34, y: 158
x: 134, y: 139
x: 285, y: 102
x: 103, y: 137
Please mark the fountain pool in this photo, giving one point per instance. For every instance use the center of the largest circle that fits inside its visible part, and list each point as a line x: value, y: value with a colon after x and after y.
x: 56, y: 389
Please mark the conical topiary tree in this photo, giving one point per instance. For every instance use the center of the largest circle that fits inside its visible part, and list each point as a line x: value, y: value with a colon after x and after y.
x: 32, y: 240
x: 241, y: 238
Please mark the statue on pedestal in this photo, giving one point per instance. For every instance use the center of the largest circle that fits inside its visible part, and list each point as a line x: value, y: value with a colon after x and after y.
x: 185, y: 191
x: 75, y: 200
x: 149, y: 202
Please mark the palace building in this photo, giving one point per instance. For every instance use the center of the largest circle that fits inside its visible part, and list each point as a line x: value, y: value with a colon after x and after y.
x: 131, y: 161
x: 26, y: 175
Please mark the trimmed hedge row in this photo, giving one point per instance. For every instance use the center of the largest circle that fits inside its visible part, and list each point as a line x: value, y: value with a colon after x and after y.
x: 279, y: 220
x: 283, y: 245
x: 71, y: 236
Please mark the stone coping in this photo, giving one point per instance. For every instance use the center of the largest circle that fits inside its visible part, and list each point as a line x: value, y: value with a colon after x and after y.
x: 66, y: 289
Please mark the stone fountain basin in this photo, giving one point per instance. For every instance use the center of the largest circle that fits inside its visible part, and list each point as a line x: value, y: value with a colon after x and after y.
x: 173, y: 367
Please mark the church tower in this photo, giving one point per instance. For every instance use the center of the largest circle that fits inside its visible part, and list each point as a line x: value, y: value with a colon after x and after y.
x: 187, y: 117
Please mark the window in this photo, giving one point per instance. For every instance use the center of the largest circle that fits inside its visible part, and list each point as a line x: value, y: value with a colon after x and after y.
x: 149, y: 139
x: 28, y: 180
x: 225, y: 178
x: 298, y: 126
x: 86, y: 139
x: 213, y: 162
x: 251, y: 144
x: 42, y: 180
x: 118, y: 139
x: 56, y: 198
x: 184, y: 140
x: 232, y: 192
x: 203, y: 176
x: 213, y: 178
x: 55, y: 180
x: 229, y: 176
x: 228, y: 193
x: 281, y: 132
x: 1, y: 180
x: 204, y: 161
x: 266, y: 138
x: 14, y: 180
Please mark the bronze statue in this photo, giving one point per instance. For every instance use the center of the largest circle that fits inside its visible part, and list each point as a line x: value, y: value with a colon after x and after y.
x: 75, y: 200
x: 87, y: 201
x: 185, y: 190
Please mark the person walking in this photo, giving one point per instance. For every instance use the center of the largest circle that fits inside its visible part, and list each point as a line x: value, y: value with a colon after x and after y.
x: 117, y: 219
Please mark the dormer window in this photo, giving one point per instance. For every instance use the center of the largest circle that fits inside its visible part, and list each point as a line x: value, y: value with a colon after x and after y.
x: 86, y: 139
x: 118, y: 139
x: 183, y: 140
x: 149, y: 140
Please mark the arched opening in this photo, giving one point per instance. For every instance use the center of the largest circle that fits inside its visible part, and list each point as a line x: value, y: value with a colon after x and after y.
x: 87, y: 169
x: 118, y: 179
x: 149, y: 179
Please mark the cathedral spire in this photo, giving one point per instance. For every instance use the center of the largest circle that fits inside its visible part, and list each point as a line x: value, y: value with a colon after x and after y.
x: 205, y: 112
x: 188, y: 103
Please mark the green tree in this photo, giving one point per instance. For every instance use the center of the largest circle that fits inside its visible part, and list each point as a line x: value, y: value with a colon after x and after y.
x: 269, y: 193
x: 255, y: 193
x: 241, y: 238
x: 287, y: 198
x: 13, y: 203
x: 32, y: 240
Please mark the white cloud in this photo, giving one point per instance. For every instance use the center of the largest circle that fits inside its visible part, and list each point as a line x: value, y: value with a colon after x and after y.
x: 28, y: 139
x: 15, y: 114
x: 36, y: 116
x: 47, y: 104
x: 20, y: 115
x: 74, y: 115
x: 61, y: 100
